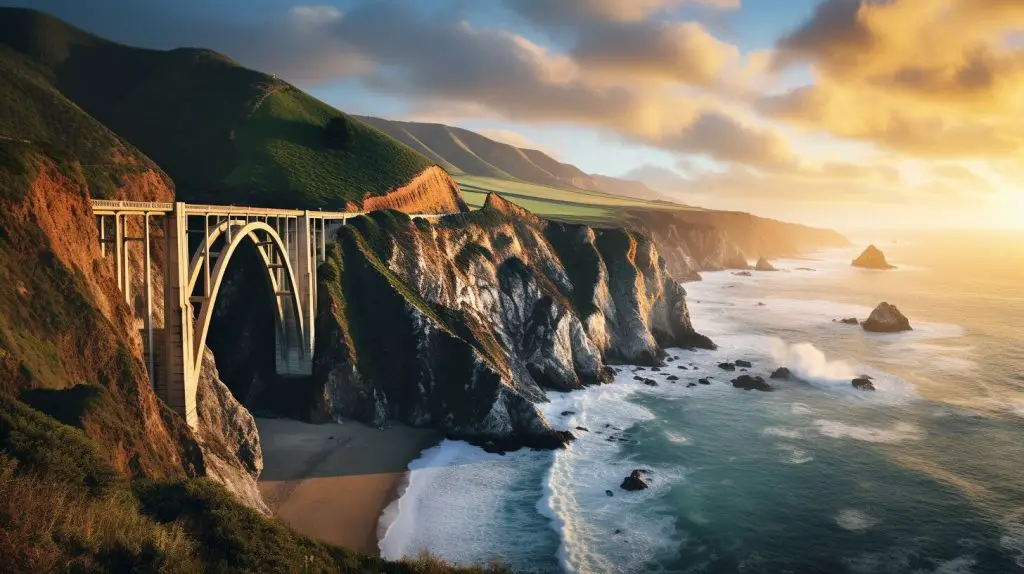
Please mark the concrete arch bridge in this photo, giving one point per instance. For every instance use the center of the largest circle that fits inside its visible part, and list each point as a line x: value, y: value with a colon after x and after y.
x: 199, y: 241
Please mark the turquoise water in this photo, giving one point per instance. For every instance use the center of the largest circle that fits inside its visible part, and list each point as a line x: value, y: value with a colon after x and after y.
x: 924, y: 475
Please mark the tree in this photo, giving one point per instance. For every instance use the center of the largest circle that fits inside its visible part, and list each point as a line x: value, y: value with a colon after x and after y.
x: 339, y: 133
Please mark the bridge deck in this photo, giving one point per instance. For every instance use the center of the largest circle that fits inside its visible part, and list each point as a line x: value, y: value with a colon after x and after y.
x: 114, y: 207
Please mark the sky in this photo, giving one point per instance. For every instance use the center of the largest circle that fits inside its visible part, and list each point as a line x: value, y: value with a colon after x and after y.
x: 854, y: 114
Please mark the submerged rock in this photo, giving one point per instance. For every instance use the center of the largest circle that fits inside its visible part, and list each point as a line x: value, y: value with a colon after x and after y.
x: 872, y: 258
x: 847, y: 321
x: 743, y: 273
x: 886, y: 318
x: 727, y: 366
x: 634, y: 481
x: 781, y: 373
x: 742, y: 363
x: 764, y: 265
x: 751, y: 383
x: 863, y: 383
x: 704, y: 381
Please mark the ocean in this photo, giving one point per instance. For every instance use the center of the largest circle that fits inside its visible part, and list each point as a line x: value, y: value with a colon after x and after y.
x: 926, y: 474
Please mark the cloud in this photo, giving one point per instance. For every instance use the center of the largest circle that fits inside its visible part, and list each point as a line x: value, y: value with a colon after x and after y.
x: 934, y: 78
x: 677, y: 51
x: 559, y: 12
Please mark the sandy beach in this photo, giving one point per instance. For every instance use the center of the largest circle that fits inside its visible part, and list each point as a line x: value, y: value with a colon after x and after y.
x: 333, y: 481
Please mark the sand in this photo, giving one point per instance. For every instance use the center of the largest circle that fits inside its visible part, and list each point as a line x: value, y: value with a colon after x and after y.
x: 333, y: 481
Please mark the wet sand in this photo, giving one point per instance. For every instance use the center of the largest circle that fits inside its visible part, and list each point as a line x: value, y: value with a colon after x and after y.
x: 333, y: 481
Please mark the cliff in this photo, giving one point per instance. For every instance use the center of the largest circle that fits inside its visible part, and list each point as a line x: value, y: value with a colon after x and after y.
x: 463, y: 324
x: 432, y: 191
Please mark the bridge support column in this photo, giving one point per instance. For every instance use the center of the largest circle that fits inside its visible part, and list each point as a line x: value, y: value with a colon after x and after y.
x: 177, y: 385
x: 295, y: 356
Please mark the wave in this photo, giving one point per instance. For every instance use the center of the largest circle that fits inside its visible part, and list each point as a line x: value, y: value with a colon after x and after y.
x: 459, y: 500
x: 900, y: 432
x: 795, y: 454
x: 781, y: 432
x: 855, y: 520
x: 601, y: 533
x: 1013, y: 540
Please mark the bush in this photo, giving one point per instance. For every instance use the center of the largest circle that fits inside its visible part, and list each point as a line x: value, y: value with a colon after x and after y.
x: 340, y: 133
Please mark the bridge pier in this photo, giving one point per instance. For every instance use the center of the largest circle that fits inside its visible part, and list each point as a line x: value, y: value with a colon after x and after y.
x: 177, y: 386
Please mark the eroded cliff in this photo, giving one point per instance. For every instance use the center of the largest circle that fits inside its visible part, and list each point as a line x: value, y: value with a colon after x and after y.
x: 462, y: 324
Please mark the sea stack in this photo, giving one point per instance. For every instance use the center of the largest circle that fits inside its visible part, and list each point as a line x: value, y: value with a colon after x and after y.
x: 872, y: 258
x: 764, y: 265
x: 886, y: 318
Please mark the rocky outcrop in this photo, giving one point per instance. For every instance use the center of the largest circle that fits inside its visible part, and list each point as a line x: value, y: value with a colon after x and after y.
x: 228, y: 437
x: 462, y: 324
x: 432, y: 191
x: 863, y: 383
x: 635, y: 481
x: 847, y: 321
x: 872, y: 258
x: 886, y: 318
x: 764, y: 265
x: 751, y: 383
x: 782, y: 373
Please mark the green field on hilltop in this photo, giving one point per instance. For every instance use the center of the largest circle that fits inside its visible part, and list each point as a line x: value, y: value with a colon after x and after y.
x: 281, y: 148
x: 576, y: 205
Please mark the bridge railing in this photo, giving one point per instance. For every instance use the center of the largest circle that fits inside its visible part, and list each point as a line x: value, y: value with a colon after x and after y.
x: 111, y: 207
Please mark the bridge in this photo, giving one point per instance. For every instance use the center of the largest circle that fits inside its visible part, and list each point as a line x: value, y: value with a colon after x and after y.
x: 198, y: 243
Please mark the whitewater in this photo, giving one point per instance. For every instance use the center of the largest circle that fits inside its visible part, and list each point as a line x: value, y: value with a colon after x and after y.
x: 922, y: 475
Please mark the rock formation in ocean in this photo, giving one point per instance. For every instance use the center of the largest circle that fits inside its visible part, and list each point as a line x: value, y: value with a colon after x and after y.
x: 782, y: 373
x: 462, y: 324
x: 863, y: 383
x: 872, y: 258
x: 751, y: 383
x: 764, y: 265
x: 635, y: 481
x: 886, y: 318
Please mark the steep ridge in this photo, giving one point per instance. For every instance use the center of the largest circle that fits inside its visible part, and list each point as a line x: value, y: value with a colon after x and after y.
x: 463, y: 151
x: 462, y: 324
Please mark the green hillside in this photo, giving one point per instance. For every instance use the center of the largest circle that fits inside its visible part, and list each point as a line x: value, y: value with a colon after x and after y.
x: 224, y: 133
x: 466, y: 153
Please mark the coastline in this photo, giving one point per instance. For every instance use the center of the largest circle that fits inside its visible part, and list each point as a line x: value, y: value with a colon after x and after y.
x: 333, y: 481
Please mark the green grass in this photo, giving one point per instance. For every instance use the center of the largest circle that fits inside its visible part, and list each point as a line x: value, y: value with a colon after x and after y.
x: 282, y: 149
x: 224, y: 133
x: 571, y: 205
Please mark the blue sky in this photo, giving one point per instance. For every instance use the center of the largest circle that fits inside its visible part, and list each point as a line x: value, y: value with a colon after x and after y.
x: 839, y: 112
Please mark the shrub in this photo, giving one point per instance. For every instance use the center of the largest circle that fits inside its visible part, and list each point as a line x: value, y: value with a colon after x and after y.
x: 339, y: 133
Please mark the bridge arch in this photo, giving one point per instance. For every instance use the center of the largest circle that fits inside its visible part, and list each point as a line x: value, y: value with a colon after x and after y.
x: 291, y: 323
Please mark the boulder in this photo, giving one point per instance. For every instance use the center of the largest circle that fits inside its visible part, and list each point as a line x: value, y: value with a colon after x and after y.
x: 751, y: 383
x: 886, y: 318
x: 650, y: 382
x: 863, y: 383
x: 872, y: 258
x: 782, y: 373
x: 634, y: 481
x: 742, y: 363
x: 704, y: 381
x: 672, y: 378
x: 847, y: 321
x: 727, y: 366
x: 764, y: 265
x: 568, y: 413
x: 609, y: 493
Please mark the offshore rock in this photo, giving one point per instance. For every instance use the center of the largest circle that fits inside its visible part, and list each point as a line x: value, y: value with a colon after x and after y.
x: 886, y: 318
x: 863, y: 383
x: 781, y: 373
x: 872, y: 258
x: 635, y: 481
x: 464, y: 323
x: 749, y: 383
x: 764, y: 265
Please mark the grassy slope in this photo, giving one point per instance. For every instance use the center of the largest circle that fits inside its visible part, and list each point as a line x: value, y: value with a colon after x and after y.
x: 575, y: 205
x: 188, y: 108
x: 281, y: 149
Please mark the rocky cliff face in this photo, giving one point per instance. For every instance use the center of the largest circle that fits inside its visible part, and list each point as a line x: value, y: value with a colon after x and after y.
x: 698, y: 240
x: 463, y: 324
x: 432, y: 191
